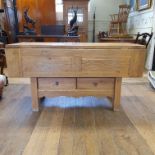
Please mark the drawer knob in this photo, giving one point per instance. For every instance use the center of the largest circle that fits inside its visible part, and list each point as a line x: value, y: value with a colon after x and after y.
x: 56, y: 83
x: 95, y: 84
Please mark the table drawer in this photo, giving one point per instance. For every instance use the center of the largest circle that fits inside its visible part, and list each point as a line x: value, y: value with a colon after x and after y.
x: 56, y: 83
x: 95, y: 83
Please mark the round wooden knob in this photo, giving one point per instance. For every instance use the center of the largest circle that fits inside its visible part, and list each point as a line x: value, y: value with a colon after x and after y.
x: 56, y: 83
x: 95, y: 84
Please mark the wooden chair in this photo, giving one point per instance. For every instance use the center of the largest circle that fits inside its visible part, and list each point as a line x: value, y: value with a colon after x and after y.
x: 118, y: 21
x: 143, y: 38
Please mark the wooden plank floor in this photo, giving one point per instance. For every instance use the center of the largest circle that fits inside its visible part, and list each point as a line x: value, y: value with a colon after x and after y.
x: 16, y: 119
x: 78, y: 126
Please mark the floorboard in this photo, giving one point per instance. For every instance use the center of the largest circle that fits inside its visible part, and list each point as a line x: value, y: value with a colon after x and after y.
x: 17, y: 121
x: 138, y: 103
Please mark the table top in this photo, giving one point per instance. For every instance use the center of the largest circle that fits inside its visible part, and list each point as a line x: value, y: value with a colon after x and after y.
x: 75, y: 45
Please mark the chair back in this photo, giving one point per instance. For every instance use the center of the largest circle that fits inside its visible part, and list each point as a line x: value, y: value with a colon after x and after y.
x: 143, y: 38
x: 124, y: 10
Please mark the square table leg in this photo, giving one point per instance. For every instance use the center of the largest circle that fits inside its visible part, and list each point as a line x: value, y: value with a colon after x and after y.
x: 117, y: 93
x: 34, y: 91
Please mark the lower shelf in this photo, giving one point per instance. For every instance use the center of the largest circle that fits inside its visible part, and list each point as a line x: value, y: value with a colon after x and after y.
x: 75, y: 93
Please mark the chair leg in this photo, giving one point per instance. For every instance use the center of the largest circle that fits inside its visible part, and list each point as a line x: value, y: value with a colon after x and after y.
x: 118, y: 29
x: 2, y: 63
x: 110, y: 29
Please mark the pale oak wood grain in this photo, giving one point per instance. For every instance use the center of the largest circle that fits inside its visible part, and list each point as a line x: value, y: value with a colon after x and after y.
x: 34, y: 91
x: 76, y: 61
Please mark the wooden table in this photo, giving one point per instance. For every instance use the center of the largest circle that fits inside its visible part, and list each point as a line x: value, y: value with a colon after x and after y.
x: 75, y: 69
x: 42, y: 38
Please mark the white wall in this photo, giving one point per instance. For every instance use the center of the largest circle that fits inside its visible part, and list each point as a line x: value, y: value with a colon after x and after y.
x: 144, y: 21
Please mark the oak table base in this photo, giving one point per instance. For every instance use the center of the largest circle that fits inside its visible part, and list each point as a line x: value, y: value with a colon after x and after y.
x: 115, y: 98
x: 75, y: 69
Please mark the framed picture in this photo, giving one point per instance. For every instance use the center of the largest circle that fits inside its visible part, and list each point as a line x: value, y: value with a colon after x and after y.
x: 143, y: 4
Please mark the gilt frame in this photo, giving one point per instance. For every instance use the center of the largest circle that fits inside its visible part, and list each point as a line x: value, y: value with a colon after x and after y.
x: 143, y: 4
